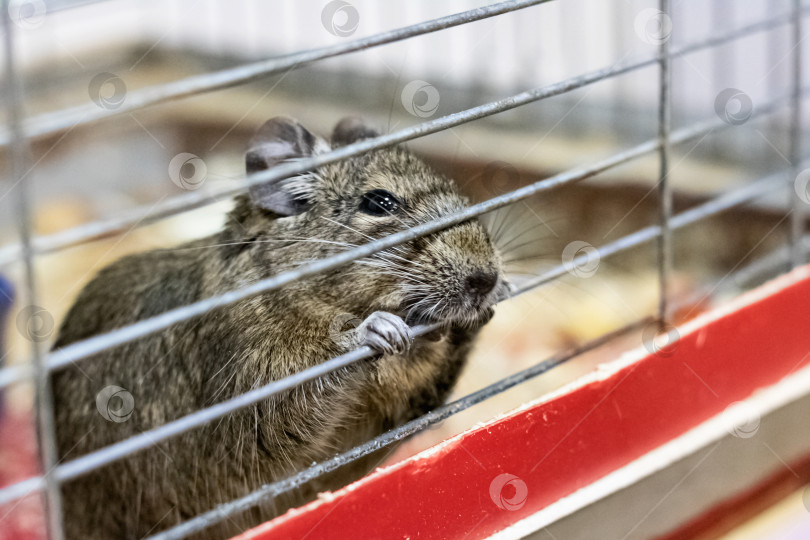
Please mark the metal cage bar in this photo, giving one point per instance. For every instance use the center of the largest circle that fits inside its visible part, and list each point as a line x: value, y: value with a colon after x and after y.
x: 798, y: 209
x: 17, y: 158
x: 664, y: 190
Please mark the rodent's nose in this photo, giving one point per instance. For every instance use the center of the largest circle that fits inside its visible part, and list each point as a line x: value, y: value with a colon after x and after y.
x: 480, y: 283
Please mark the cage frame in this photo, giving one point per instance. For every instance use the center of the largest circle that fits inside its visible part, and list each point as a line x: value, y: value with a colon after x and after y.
x: 19, y: 132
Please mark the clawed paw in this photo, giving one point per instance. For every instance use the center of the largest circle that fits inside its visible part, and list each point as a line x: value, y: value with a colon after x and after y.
x: 386, y: 333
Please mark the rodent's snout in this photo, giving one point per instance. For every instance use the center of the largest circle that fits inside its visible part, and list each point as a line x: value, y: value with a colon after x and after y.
x: 479, y: 284
x: 455, y: 275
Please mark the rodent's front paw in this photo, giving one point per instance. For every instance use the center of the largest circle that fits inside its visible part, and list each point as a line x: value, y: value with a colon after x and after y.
x: 386, y: 333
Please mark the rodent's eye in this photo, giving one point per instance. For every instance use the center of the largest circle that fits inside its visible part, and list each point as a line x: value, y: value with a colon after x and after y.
x: 379, y: 202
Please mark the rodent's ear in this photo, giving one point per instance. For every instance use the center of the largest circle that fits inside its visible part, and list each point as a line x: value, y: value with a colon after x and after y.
x: 351, y: 129
x: 282, y: 139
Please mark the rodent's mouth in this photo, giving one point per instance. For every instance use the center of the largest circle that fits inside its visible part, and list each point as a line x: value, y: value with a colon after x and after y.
x: 469, y: 306
x: 463, y: 309
x: 456, y: 312
x: 413, y: 317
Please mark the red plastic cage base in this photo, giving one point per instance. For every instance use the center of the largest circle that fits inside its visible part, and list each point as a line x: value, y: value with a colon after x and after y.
x: 488, y: 478
x: 23, y: 519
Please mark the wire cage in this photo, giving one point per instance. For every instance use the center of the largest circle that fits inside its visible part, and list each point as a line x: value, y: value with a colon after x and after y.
x: 651, y: 103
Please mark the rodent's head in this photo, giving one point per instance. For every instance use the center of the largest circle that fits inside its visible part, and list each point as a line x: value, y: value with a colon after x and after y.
x: 454, y: 274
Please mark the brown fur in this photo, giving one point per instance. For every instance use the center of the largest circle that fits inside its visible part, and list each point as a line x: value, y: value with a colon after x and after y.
x: 265, y: 338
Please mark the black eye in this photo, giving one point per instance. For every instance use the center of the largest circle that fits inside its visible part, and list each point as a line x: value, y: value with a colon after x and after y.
x: 379, y: 202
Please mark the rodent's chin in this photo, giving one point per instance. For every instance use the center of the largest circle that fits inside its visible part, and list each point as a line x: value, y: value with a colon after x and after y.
x: 465, y: 318
x: 412, y: 319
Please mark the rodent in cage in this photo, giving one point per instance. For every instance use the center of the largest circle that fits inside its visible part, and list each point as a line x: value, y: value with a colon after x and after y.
x: 454, y: 277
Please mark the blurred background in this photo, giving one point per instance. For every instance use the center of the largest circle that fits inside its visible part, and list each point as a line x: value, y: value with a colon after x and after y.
x: 83, y: 52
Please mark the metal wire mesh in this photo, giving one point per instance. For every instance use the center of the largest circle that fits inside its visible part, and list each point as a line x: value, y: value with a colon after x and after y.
x: 19, y: 132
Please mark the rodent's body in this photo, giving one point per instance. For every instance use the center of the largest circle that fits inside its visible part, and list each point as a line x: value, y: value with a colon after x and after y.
x: 234, y: 349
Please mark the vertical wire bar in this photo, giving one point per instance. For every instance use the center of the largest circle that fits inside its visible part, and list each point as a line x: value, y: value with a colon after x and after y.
x: 777, y: 81
x: 18, y: 157
x: 798, y: 215
x: 664, y: 190
x: 722, y: 63
x: 620, y: 92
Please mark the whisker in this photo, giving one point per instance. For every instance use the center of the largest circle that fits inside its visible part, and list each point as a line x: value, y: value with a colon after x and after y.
x: 540, y: 257
x: 515, y: 249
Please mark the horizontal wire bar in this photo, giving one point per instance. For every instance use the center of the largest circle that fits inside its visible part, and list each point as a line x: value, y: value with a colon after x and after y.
x: 775, y: 263
x: 124, y: 221
x: 199, y: 198
x: 768, y: 266
x: 435, y: 416
x: 55, y: 6
x: 22, y: 489
x: 82, y: 349
x: 149, y: 438
x: 688, y: 217
x: 52, y: 122
x: 778, y: 259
